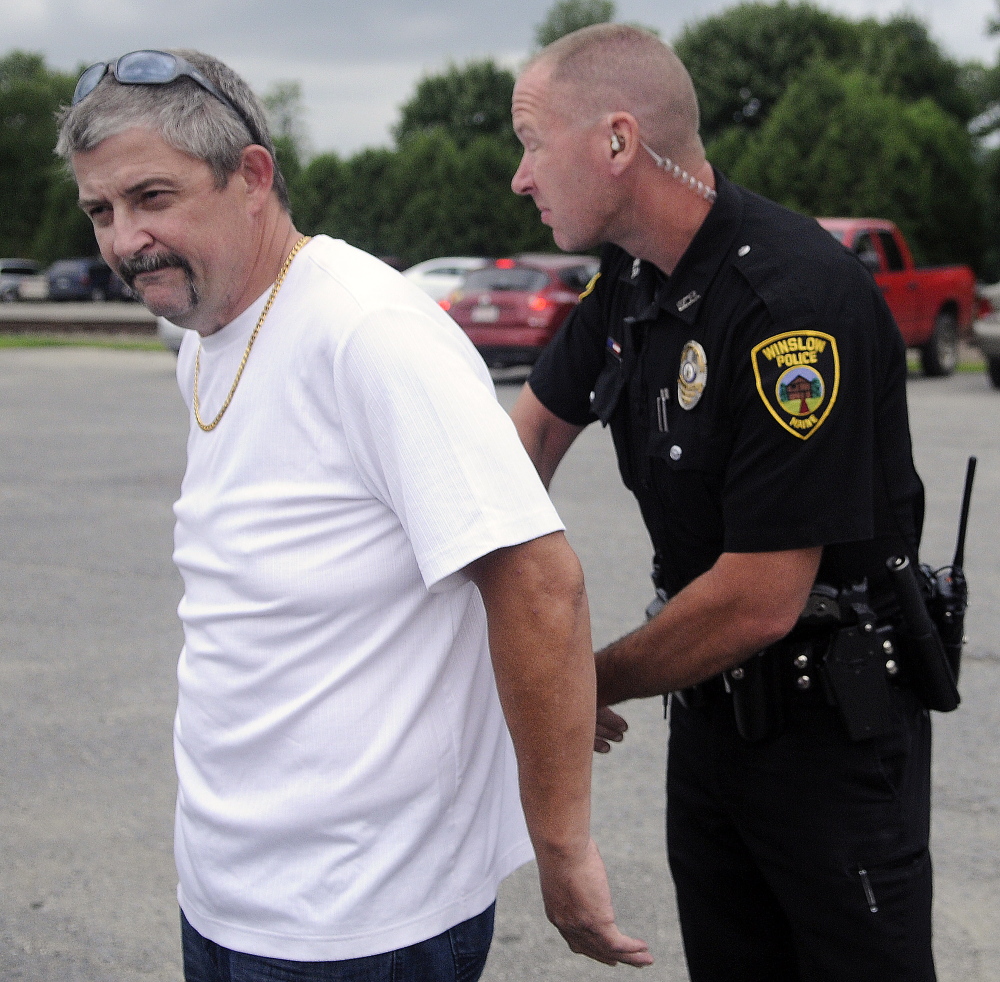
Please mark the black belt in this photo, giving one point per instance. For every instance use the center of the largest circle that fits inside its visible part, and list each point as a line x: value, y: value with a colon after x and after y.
x: 796, y: 667
x: 851, y: 670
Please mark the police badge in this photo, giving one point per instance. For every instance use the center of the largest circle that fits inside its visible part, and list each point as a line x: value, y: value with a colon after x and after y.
x: 798, y: 376
x: 693, y: 375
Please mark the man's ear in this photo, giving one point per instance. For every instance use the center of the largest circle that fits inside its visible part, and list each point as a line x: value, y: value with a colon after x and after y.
x: 623, y: 141
x: 257, y: 170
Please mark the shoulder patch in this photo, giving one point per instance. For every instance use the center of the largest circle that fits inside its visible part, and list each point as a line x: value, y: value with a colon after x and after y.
x: 590, y: 286
x: 798, y: 377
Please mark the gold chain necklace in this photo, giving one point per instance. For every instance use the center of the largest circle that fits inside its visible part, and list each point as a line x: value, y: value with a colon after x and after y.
x: 207, y: 427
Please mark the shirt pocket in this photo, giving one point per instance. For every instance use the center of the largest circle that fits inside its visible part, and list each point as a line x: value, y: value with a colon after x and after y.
x: 689, y: 445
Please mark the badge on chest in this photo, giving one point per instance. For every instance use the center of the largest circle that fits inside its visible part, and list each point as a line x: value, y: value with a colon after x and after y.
x: 692, y: 376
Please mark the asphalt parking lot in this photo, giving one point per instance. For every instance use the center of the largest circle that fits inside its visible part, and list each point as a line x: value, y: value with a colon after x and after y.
x: 92, y: 455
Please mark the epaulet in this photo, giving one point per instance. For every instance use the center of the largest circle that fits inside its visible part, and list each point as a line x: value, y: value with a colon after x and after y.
x: 772, y: 278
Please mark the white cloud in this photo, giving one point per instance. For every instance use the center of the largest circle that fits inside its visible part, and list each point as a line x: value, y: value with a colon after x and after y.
x: 357, y: 62
x: 24, y: 14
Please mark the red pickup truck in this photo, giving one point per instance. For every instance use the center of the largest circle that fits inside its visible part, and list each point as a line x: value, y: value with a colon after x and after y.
x: 933, y: 307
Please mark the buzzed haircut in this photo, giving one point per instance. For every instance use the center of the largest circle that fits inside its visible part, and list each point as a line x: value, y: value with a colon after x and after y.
x: 617, y: 67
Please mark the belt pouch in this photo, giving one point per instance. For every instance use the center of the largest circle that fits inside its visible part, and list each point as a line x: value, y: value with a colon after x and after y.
x: 854, y: 669
x: 758, y: 703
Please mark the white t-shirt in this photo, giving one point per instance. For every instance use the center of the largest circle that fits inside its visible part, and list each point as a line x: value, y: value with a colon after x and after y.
x: 347, y: 785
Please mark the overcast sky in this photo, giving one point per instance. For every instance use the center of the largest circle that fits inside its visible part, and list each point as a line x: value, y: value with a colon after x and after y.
x: 357, y: 60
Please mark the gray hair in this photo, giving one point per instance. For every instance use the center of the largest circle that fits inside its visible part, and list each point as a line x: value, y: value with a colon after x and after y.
x: 189, y: 118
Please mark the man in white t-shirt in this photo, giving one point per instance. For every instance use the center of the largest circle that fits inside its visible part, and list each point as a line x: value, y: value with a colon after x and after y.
x: 358, y: 532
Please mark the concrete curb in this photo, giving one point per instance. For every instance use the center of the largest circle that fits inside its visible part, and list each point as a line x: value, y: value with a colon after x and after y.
x: 115, y: 318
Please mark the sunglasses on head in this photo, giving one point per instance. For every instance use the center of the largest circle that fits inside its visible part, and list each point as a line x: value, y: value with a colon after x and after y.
x: 155, y: 68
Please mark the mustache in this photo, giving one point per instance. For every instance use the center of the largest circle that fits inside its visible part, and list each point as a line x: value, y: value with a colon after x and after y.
x: 130, y: 268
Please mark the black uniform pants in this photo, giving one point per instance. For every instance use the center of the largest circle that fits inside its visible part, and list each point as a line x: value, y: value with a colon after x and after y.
x: 802, y: 858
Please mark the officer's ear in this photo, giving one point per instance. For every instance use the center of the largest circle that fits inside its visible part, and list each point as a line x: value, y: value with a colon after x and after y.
x: 622, y: 133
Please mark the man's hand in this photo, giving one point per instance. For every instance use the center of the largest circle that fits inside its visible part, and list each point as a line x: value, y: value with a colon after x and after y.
x: 543, y: 660
x: 578, y: 901
x: 610, y: 726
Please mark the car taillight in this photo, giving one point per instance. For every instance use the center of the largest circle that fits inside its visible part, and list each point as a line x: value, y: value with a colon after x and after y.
x: 537, y: 302
x: 983, y: 307
x: 444, y: 304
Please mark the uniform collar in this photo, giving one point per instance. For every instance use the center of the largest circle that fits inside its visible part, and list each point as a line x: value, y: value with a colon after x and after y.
x: 681, y: 293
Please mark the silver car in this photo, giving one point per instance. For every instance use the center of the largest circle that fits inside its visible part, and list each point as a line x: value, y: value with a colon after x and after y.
x: 986, y: 329
x: 170, y: 334
x: 439, y: 277
x: 13, y: 272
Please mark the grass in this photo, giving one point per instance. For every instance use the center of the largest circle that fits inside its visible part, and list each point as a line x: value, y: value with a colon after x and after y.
x: 131, y: 342
x: 970, y: 361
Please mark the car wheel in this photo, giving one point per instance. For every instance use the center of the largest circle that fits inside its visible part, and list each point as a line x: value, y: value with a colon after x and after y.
x: 940, y: 355
x: 98, y: 294
x: 993, y: 370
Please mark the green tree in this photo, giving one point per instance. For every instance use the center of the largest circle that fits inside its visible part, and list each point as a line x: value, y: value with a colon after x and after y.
x: 63, y: 229
x: 833, y: 116
x: 466, y: 102
x: 908, y: 63
x: 29, y: 97
x: 983, y: 82
x: 567, y: 16
x: 286, y: 118
x: 444, y: 190
x: 989, y: 185
x: 493, y: 221
x: 743, y: 60
x: 432, y: 197
x: 316, y: 193
x: 838, y: 144
x: 347, y: 199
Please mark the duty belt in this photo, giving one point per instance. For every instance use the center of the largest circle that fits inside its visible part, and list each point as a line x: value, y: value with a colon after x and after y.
x: 837, y: 653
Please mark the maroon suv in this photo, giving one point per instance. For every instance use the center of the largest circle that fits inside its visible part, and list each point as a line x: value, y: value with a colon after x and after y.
x: 511, y: 309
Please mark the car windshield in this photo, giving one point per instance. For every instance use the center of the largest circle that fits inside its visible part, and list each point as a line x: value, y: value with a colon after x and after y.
x: 18, y: 266
x: 578, y: 277
x: 515, y: 278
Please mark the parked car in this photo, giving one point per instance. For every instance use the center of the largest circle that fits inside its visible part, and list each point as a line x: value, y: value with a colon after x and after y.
x: 933, y: 307
x: 170, y: 334
x: 511, y: 309
x: 33, y: 288
x: 85, y: 278
x: 986, y: 329
x: 12, y: 273
x: 439, y: 277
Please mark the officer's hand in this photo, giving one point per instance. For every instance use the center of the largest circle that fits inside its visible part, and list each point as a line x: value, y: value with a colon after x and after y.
x: 610, y: 726
x: 578, y: 901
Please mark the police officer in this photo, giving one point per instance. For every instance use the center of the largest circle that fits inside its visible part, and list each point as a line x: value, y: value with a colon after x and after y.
x: 754, y: 383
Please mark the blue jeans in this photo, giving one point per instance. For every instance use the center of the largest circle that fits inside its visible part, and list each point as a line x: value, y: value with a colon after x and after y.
x: 455, y: 955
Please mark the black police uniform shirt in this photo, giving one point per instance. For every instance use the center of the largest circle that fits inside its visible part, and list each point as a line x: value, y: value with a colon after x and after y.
x: 756, y: 397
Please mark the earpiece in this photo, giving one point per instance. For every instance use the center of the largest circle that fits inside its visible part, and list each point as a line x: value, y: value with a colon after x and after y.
x: 616, y: 144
